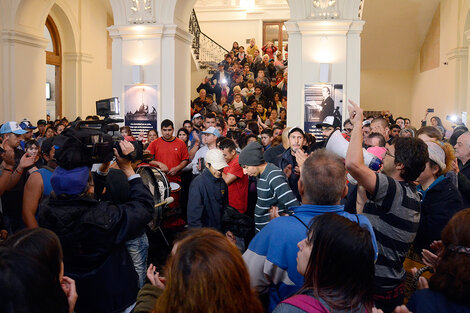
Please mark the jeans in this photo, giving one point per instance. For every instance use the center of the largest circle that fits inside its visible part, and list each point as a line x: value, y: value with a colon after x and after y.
x: 138, y: 250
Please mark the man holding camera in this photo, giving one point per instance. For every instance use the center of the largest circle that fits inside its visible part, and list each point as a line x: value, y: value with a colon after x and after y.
x: 93, y: 233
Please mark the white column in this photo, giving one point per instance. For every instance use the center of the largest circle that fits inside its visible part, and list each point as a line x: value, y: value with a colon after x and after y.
x: 24, y: 65
x: 458, y: 64
x: 312, y: 42
x: 295, y: 88
x: 176, y: 74
x: 137, y: 45
x: 353, y: 64
x: 72, y: 97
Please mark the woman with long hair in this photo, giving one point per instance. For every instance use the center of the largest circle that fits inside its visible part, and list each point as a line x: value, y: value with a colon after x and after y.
x: 449, y: 287
x: 206, y: 273
x: 337, y: 262
x: 152, y: 134
x: 43, y: 246
x: 183, y: 134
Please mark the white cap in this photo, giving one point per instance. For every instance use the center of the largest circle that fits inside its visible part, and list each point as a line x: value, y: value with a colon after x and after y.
x: 216, y: 158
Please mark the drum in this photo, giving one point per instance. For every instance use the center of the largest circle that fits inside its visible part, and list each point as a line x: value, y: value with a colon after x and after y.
x: 156, y: 181
x: 175, y: 193
x: 159, y: 187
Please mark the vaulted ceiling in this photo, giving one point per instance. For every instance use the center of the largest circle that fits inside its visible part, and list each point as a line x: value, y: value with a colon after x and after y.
x: 394, y: 32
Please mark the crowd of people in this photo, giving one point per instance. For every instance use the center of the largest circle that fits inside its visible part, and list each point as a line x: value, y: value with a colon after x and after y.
x: 269, y: 218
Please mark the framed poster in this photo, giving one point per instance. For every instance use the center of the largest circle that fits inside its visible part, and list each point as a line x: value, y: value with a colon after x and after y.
x: 322, y: 101
x: 141, y: 107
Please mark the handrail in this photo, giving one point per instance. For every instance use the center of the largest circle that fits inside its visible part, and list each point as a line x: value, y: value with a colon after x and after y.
x: 206, y: 50
x: 193, y: 15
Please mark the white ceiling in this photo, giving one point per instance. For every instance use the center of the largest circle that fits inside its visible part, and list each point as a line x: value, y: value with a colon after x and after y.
x: 394, y: 32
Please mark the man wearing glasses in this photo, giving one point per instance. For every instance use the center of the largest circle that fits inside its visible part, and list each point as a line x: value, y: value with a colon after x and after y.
x: 393, y: 206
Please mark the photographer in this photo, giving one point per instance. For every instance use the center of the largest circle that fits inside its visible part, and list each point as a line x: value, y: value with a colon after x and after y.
x: 93, y: 233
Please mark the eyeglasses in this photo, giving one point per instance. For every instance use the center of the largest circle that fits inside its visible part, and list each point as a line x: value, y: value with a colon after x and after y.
x: 389, y: 154
x: 348, y: 130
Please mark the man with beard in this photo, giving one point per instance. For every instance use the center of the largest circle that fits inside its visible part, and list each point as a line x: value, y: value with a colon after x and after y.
x: 393, y: 206
x: 288, y: 161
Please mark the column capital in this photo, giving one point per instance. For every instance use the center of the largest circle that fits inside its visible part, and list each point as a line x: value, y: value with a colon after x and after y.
x: 456, y: 53
x: 173, y: 30
x: 78, y: 57
x: 132, y: 32
x: 330, y: 27
x: 18, y: 37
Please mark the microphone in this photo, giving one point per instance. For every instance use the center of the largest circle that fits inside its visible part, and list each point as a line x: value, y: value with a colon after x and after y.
x: 166, y: 201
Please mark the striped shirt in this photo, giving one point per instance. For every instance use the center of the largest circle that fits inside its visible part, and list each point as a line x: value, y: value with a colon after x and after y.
x: 394, y: 211
x: 272, y: 189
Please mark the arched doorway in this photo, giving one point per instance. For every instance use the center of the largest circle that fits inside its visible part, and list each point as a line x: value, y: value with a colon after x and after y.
x: 53, y: 70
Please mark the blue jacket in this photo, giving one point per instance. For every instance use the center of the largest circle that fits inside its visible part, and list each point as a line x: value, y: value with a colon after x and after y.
x: 208, y: 198
x: 430, y: 301
x: 271, y: 255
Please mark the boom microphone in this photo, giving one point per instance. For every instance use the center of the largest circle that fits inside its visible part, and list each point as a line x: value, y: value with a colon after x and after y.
x: 338, y: 145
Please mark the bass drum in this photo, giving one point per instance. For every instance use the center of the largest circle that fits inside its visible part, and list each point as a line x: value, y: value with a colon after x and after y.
x: 158, y: 185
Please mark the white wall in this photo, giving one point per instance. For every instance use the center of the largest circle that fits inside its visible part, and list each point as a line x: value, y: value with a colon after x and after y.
x: 226, y: 25
x: 387, y: 90
x: 443, y: 88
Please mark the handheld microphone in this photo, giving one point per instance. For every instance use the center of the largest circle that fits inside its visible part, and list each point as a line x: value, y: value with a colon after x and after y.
x: 166, y: 201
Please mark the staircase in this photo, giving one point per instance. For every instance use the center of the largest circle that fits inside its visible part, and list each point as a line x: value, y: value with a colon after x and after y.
x: 206, y: 51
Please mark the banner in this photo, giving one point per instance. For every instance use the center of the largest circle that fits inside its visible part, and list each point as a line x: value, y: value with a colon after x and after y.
x: 141, y: 107
x: 322, y: 101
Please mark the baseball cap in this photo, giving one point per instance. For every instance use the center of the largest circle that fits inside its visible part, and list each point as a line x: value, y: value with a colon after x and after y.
x: 296, y: 129
x: 69, y: 182
x: 212, y: 130
x: 196, y: 116
x: 216, y: 158
x: 26, y: 124
x: 329, y: 121
x: 12, y: 127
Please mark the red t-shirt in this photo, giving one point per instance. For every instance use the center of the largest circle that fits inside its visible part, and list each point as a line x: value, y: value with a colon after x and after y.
x: 170, y: 153
x: 238, y: 190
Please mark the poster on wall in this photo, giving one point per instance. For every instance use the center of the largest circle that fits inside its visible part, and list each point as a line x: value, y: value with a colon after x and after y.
x: 141, y: 106
x: 323, y: 102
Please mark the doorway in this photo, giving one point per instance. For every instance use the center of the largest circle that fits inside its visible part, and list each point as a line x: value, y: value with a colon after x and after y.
x: 276, y: 33
x: 53, y: 70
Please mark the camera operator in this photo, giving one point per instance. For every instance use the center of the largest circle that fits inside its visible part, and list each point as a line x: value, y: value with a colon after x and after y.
x: 93, y: 234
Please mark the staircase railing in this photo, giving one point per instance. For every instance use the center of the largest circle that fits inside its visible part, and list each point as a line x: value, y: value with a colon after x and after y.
x: 207, y: 51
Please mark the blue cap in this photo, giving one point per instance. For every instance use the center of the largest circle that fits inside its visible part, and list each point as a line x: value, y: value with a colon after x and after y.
x: 70, y: 182
x: 12, y: 127
x: 26, y: 124
x: 212, y: 130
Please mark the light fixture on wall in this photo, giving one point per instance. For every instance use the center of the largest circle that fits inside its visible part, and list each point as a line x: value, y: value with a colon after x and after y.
x: 325, y: 72
x: 137, y: 74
